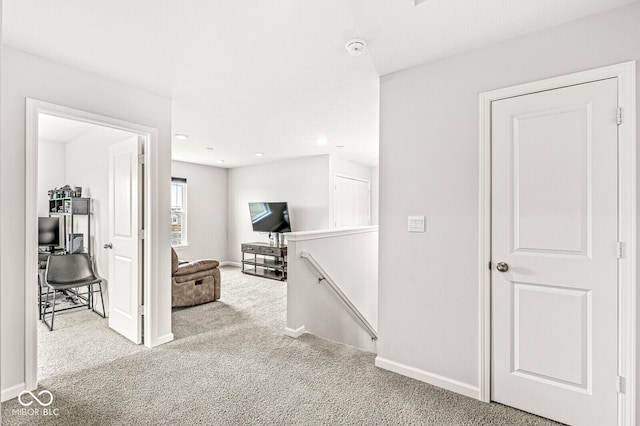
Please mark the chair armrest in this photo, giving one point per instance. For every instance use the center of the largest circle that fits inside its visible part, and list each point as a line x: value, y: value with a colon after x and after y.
x: 196, y: 266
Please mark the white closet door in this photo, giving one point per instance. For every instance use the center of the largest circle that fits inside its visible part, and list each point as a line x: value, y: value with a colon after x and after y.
x: 352, y: 202
x: 554, y: 226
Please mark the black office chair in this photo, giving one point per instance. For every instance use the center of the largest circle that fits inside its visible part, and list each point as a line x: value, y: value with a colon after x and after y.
x: 67, y: 272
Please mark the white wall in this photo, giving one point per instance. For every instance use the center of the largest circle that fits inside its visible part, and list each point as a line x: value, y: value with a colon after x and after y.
x: 375, y: 195
x: 206, y: 211
x: 350, y: 257
x: 303, y: 183
x: 349, y: 168
x: 429, y: 156
x: 87, y: 166
x: 23, y: 76
x: 51, y: 172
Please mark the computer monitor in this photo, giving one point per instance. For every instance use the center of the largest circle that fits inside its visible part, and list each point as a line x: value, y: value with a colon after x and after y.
x: 48, y: 232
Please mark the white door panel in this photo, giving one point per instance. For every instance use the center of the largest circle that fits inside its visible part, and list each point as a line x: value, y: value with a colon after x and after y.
x: 567, y: 314
x: 544, y: 143
x: 554, y: 223
x: 124, y: 256
x: 123, y: 303
x: 352, y: 202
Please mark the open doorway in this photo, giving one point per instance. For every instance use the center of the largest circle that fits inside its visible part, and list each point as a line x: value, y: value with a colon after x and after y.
x: 73, y: 199
x: 84, y: 153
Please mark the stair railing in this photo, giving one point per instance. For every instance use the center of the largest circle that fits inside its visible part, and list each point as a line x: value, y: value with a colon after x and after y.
x: 345, y: 300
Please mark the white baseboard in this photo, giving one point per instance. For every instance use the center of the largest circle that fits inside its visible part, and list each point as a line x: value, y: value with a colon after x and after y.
x: 431, y: 378
x: 295, y: 333
x: 230, y: 263
x: 161, y: 340
x: 12, y: 392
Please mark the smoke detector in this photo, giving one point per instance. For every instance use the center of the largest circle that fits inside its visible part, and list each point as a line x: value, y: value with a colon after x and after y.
x: 356, y: 46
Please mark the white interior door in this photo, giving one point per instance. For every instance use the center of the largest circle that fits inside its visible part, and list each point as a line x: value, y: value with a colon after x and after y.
x: 125, y: 288
x: 554, y: 224
x: 352, y: 202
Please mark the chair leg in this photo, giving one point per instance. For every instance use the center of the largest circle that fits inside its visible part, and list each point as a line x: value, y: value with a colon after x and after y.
x: 103, y: 314
x: 39, y: 299
x: 90, y: 296
x: 43, y: 306
x: 53, y: 309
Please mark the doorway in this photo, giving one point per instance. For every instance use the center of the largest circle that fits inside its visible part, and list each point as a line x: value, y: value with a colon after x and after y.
x: 558, y: 247
x: 139, y: 136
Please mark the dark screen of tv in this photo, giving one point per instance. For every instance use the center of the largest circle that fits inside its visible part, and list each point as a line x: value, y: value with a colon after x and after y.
x: 270, y: 217
x: 48, y: 232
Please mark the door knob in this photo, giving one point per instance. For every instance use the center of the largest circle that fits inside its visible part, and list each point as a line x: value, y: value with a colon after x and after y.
x: 502, y: 267
x: 108, y: 246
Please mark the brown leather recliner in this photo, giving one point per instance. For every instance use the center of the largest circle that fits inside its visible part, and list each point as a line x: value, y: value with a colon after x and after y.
x: 193, y: 283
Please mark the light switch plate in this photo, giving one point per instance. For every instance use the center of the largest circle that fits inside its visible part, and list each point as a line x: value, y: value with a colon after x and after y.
x: 416, y: 224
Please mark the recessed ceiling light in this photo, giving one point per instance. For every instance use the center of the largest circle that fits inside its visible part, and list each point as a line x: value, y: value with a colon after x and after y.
x: 209, y: 148
x: 181, y: 136
x: 322, y: 141
x: 259, y: 154
x: 220, y: 161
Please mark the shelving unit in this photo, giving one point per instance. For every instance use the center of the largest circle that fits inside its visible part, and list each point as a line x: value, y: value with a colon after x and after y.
x: 264, y: 260
x: 68, y: 209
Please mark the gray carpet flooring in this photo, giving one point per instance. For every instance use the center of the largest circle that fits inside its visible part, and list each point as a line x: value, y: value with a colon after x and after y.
x: 230, y: 364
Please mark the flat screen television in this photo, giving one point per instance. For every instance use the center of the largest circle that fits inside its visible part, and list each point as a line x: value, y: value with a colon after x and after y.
x: 48, y: 232
x: 270, y: 217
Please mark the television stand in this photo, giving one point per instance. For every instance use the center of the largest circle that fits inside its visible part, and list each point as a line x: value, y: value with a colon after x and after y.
x: 264, y: 260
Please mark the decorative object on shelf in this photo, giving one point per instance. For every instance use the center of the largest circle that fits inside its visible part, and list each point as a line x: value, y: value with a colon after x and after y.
x: 65, y: 192
x: 56, y: 193
x: 68, y: 209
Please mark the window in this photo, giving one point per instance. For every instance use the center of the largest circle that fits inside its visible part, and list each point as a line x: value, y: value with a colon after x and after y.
x: 178, y: 212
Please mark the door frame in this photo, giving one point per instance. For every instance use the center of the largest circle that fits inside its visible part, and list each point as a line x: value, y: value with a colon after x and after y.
x: 626, y: 74
x: 150, y: 137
